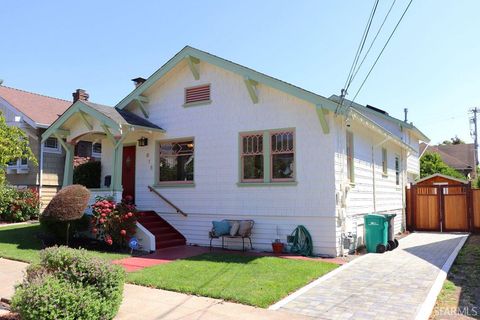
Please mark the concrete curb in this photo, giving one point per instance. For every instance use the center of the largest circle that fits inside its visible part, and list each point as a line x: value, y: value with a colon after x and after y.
x: 429, y: 303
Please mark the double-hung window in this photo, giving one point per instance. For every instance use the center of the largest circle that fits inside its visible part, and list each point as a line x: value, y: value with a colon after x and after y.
x: 384, y: 162
x: 267, y: 156
x: 176, y: 162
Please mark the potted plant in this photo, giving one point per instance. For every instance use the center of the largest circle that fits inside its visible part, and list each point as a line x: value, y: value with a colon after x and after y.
x: 277, y: 246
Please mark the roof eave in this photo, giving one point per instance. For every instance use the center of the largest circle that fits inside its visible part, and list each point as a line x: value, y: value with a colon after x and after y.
x: 233, y: 67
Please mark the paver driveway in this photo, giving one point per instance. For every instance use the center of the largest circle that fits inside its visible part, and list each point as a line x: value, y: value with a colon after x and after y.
x: 393, y: 285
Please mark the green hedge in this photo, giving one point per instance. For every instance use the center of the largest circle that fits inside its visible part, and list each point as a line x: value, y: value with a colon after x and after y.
x: 88, y: 174
x: 69, y: 284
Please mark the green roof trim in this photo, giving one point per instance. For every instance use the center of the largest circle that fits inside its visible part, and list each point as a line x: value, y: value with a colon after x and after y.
x: 247, y: 73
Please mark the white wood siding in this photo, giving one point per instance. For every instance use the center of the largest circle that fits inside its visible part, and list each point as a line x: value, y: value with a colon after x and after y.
x: 215, y: 128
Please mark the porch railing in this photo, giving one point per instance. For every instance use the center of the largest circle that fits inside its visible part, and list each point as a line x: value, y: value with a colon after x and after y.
x: 152, y: 189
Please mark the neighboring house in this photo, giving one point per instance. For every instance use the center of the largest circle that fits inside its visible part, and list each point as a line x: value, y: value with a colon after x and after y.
x: 33, y: 113
x: 461, y: 157
x: 217, y: 140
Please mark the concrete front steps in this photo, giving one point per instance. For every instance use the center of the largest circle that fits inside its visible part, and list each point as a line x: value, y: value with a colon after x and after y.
x: 166, y: 236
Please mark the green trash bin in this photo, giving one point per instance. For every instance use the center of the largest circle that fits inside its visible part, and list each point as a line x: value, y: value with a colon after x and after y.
x: 376, y: 233
x: 392, y: 242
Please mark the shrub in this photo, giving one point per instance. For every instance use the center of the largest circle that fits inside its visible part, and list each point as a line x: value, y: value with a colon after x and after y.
x: 69, y: 284
x: 114, y: 223
x: 67, y: 205
x: 88, y: 174
x: 58, y: 229
x: 18, y: 205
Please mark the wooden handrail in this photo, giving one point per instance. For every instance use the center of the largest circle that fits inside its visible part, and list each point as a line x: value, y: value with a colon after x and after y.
x: 152, y: 189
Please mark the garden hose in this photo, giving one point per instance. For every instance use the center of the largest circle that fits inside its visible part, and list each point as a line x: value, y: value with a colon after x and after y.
x: 302, y: 242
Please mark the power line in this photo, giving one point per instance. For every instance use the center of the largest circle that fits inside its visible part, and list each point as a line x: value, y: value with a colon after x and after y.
x: 374, y: 39
x: 381, y: 52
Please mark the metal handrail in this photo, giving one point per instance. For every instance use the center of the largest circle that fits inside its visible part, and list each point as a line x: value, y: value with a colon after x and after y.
x: 152, y: 189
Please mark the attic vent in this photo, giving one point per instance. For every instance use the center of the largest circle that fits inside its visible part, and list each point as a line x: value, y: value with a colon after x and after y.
x: 197, y: 94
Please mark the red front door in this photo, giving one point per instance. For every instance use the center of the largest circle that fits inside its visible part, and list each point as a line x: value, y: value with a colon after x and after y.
x: 128, y: 172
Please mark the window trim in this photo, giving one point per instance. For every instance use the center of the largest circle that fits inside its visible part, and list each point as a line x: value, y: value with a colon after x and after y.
x: 241, y: 136
x: 350, y: 138
x: 157, y: 182
x: 384, y: 162
x: 96, y: 154
x: 267, y: 159
x: 197, y: 103
x: 57, y: 150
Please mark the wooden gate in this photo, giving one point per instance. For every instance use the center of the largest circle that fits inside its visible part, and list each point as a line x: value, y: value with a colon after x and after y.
x: 443, y: 208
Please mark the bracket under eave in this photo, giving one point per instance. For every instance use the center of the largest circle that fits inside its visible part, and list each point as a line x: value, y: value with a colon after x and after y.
x: 83, y: 115
x: 192, y: 64
x: 321, y: 112
x: 252, y: 89
x: 142, y: 107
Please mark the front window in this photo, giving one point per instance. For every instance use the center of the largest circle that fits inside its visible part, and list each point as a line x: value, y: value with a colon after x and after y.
x: 252, y: 157
x: 176, y: 161
x: 283, y: 155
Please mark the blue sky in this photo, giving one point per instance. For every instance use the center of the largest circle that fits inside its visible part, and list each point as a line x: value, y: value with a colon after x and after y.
x: 431, y: 65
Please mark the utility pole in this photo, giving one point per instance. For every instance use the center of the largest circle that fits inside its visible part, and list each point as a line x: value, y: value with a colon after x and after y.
x: 474, y: 133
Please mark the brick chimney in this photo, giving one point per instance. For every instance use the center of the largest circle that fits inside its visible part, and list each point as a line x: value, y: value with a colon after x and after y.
x: 80, y: 94
x: 138, y: 81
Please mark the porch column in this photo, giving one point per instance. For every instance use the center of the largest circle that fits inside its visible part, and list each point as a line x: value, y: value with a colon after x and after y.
x: 117, y: 167
x: 69, y: 153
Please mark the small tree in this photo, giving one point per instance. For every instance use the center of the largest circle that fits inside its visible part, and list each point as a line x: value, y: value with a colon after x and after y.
x: 68, y: 204
x: 454, y: 140
x: 14, y: 144
x: 431, y: 163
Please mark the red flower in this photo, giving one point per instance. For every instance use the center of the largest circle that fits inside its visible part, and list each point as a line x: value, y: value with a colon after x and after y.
x: 94, y: 230
x: 103, y: 215
x: 101, y: 220
x: 123, y: 233
x: 130, y: 214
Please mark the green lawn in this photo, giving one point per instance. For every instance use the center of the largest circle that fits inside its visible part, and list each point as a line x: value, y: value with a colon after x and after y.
x: 21, y: 243
x: 253, y: 280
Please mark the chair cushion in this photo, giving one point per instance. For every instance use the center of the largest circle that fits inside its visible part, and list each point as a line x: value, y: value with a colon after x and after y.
x: 221, y: 227
x: 245, y: 228
x: 234, y: 228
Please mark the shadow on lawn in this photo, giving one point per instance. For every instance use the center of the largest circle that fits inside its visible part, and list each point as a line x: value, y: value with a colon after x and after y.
x: 24, y: 237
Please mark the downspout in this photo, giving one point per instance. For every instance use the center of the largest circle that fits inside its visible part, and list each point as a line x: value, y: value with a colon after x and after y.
x: 373, y: 172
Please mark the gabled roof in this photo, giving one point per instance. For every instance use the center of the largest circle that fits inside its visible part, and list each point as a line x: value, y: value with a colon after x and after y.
x: 442, y: 176
x: 41, y: 110
x: 109, y: 116
x: 245, y: 72
x: 369, y: 111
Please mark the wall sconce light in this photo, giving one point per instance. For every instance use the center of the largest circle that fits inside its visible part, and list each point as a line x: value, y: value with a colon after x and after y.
x: 142, y: 142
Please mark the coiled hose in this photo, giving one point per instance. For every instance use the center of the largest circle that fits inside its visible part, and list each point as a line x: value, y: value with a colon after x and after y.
x: 302, y: 242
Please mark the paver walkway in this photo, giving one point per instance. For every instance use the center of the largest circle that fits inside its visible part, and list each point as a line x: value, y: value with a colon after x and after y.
x: 393, y: 285
x: 149, y: 304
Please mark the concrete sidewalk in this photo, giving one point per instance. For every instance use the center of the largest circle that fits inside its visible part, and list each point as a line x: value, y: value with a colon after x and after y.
x: 401, y: 284
x: 146, y: 303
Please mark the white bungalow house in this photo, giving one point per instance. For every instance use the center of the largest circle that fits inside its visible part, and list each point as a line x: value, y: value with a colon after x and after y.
x: 216, y: 140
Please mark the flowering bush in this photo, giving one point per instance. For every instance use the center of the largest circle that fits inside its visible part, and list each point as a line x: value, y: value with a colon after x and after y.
x: 113, y: 222
x: 18, y: 205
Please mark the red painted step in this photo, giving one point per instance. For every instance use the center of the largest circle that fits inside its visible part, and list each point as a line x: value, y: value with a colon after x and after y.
x: 166, y: 235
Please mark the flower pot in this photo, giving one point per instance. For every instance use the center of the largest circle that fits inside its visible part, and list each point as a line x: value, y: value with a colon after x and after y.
x: 277, y: 247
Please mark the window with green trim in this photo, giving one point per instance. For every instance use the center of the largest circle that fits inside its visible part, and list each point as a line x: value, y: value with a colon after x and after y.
x: 252, y: 157
x: 176, y: 162
x: 267, y: 156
